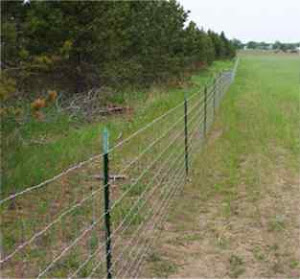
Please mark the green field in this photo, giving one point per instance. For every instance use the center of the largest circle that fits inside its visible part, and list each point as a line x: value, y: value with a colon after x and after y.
x: 239, y: 215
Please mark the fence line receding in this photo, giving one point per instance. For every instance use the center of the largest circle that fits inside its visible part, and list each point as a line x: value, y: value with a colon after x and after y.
x: 102, y: 216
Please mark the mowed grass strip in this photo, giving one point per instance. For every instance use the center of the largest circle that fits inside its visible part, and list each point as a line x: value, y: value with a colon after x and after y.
x: 239, y: 216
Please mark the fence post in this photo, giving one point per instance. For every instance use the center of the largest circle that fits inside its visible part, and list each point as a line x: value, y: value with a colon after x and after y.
x: 205, y: 110
x: 186, y: 149
x: 220, y: 88
x: 107, y: 201
x: 215, y: 89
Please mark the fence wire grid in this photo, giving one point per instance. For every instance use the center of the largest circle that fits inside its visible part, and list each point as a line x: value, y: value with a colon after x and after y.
x: 101, y: 217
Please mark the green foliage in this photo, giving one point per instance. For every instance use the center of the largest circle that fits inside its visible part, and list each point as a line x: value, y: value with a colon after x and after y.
x: 237, y: 44
x: 229, y: 50
x: 198, y: 46
x: 86, y: 44
x: 223, y: 47
x: 252, y: 45
x: 285, y: 47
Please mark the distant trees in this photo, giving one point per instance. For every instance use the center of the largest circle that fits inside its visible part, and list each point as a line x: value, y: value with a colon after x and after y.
x: 278, y: 46
x: 285, y: 46
x: 252, y: 45
x: 237, y: 44
x: 258, y: 45
x: 89, y: 43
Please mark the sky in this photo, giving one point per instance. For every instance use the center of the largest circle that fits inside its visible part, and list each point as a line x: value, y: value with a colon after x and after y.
x: 248, y: 20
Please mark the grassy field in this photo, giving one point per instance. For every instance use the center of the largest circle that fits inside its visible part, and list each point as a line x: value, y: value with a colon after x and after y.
x: 35, y: 151
x: 239, y: 215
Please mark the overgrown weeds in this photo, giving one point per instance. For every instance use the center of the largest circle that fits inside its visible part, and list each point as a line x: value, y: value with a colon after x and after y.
x: 34, y: 150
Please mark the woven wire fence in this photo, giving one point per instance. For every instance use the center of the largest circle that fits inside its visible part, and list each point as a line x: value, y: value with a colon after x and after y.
x: 101, y: 217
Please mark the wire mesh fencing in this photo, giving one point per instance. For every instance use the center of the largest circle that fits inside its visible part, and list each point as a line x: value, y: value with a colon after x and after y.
x: 101, y: 217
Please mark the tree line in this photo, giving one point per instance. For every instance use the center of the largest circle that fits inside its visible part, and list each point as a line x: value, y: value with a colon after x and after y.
x: 79, y: 45
x: 277, y: 46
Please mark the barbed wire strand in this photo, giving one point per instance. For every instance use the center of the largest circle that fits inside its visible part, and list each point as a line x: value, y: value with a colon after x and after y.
x: 30, y: 189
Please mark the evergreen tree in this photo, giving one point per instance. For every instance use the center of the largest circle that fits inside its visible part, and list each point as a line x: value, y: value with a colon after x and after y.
x: 84, y: 44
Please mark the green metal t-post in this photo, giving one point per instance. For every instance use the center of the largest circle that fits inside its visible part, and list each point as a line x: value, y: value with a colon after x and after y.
x: 186, y: 148
x: 205, y: 110
x: 215, y: 91
x: 107, y: 201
